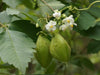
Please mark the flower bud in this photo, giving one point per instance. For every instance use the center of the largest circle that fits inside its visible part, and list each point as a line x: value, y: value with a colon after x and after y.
x: 63, y: 15
x: 43, y: 55
x: 37, y: 25
x: 60, y: 49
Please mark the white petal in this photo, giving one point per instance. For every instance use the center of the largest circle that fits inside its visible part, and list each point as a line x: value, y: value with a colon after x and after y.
x: 67, y: 24
x: 64, y: 20
x: 53, y: 14
x: 72, y: 20
x: 47, y: 27
x: 57, y: 14
x: 75, y: 24
x: 63, y: 27
x: 71, y: 16
x: 53, y: 22
x: 54, y: 28
x: 56, y: 10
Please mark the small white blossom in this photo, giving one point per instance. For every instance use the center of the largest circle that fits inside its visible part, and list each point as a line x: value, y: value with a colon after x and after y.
x: 69, y: 21
x: 63, y: 27
x: 56, y: 14
x: 51, y: 26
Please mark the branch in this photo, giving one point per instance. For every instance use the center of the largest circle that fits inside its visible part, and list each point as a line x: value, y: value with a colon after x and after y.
x: 47, y: 5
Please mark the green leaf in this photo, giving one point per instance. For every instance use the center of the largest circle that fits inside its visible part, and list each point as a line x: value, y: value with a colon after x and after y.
x: 52, y: 3
x: 4, y: 18
x: 15, y: 3
x: 87, y: 63
x: 16, y: 48
x: 93, y: 33
x: 82, y: 62
x: 26, y: 27
x: 95, y: 11
x: 2, y: 30
x: 12, y: 11
x: 63, y: 1
x: 28, y: 3
x: 94, y: 46
x: 91, y: 1
x: 51, y: 68
x: 86, y: 21
x: 12, y: 3
x: 5, y: 66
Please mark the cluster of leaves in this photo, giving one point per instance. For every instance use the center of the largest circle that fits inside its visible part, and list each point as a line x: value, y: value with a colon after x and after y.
x: 18, y: 30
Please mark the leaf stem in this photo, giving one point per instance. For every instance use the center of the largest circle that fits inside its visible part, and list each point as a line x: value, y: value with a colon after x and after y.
x: 47, y: 5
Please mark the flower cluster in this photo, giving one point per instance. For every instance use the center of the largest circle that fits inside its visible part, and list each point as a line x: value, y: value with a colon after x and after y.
x: 67, y: 22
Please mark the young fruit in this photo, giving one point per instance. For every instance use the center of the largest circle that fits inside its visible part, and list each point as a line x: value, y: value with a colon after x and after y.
x: 43, y: 55
x: 60, y: 49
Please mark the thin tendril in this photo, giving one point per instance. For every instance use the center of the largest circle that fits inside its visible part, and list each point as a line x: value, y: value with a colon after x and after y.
x: 88, y: 6
x: 83, y: 8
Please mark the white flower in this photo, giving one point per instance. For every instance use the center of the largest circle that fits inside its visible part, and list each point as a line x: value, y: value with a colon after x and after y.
x: 56, y: 14
x: 51, y: 26
x: 63, y: 27
x: 69, y: 21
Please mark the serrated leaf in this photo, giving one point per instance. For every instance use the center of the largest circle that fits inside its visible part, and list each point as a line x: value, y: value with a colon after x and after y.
x: 16, y: 48
x: 52, y: 3
x: 85, y: 21
x: 4, y: 18
x: 94, y: 46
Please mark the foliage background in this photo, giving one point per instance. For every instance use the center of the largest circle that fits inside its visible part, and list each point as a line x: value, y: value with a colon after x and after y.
x: 18, y: 35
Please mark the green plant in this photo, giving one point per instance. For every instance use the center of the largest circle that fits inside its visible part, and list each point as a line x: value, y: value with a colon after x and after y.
x: 70, y: 33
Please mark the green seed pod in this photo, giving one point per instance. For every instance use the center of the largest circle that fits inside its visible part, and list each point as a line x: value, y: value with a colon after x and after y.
x: 43, y: 53
x: 60, y: 49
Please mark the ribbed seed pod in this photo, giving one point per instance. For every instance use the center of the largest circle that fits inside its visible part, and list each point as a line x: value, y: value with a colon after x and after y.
x: 59, y: 48
x: 43, y: 53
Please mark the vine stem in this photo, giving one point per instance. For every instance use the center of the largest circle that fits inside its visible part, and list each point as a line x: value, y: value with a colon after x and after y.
x: 89, y: 6
x: 81, y: 9
x: 47, y: 5
x: 64, y: 8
